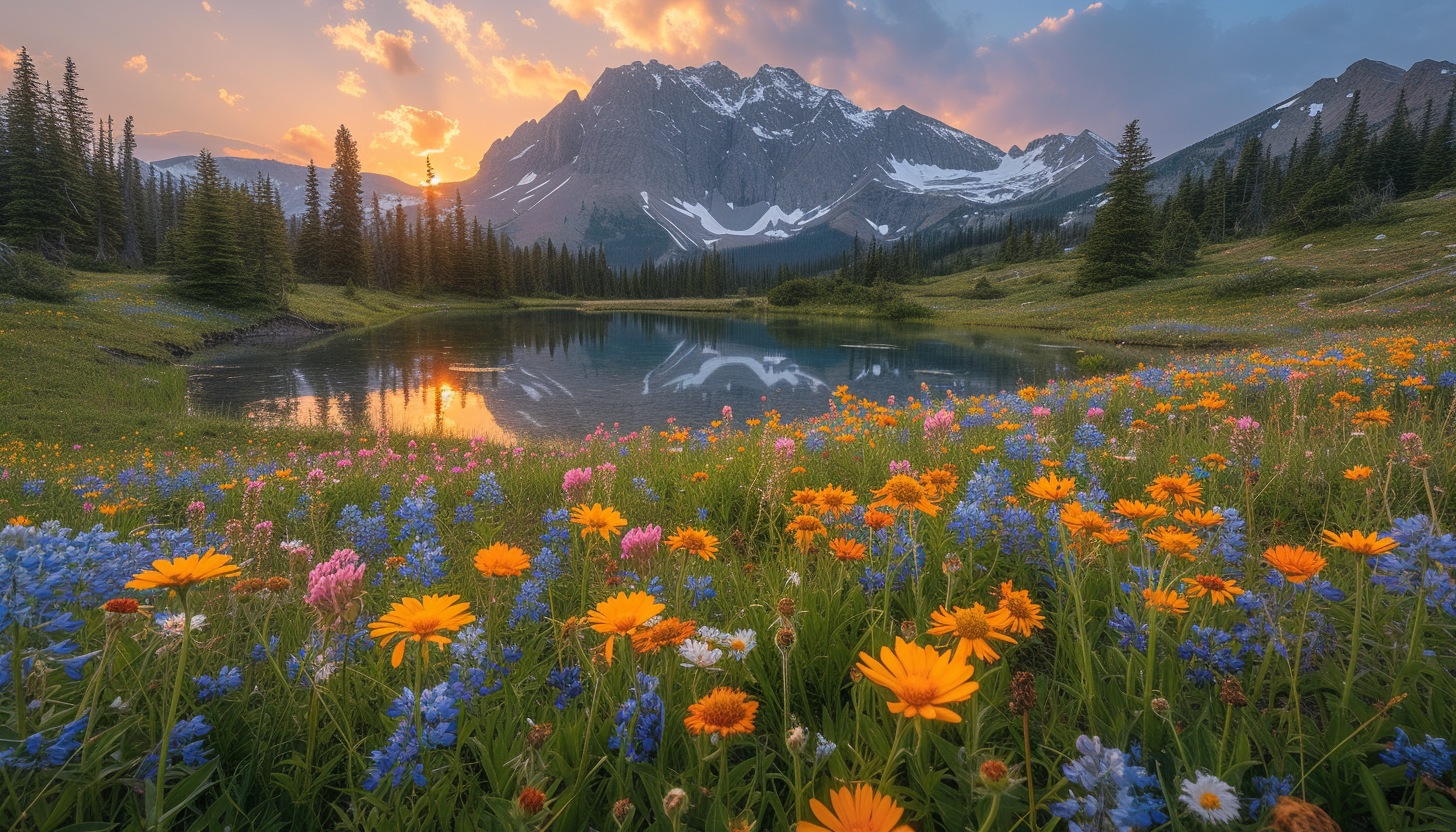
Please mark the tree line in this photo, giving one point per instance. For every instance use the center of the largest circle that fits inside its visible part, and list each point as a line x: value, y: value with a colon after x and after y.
x: 1324, y: 182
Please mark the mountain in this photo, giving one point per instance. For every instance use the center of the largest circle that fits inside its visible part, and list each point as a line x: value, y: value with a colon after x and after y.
x: 1291, y: 117
x: 291, y: 180
x: 173, y: 143
x: 657, y: 160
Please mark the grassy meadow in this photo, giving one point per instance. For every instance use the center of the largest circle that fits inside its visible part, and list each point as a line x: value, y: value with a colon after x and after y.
x: 1213, y: 593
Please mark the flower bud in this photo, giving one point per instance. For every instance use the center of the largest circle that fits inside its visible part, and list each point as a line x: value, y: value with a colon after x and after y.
x: 531, y: 800
x: 621, y: 810
x: 797, y: 739
x: 674, y: 802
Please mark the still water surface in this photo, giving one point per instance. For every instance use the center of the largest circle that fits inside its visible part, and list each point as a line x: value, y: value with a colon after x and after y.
x: 560, y: 372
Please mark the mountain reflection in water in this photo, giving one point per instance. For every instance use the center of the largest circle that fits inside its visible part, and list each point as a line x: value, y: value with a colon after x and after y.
x: 560, y: 372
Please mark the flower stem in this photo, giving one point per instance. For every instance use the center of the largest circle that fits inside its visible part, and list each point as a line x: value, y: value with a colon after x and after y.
x: 159, y: 817
x: 17, y: 679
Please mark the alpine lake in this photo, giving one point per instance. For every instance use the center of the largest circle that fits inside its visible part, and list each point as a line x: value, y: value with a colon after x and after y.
x: 561, y: 373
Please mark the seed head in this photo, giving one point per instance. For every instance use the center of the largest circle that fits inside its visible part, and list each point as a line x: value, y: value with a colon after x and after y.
x: 538, y: 735
x: 786, y: 608
x: 786, y: 636
x: 1023, y: 693
x: 1231, y: 693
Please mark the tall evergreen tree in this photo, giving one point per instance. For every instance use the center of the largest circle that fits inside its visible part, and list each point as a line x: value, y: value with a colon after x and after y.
x: 1438, y: 157
x: 1120, y: 248
x: 308, y: 248
x: 1398, y: 153
x: 131, y: 197
x: 345, y: 260
x: 209, y: 264
x: 35, y: 211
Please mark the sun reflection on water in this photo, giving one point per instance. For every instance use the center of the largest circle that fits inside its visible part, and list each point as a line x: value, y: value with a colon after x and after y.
x: 432, y: 407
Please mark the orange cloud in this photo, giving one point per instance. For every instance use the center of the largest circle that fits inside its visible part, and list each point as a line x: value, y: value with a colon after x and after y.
x: 136, y: 62
x: 421, y: 132
x: 187, y: 76
x: 1051, y: 24
x: 453, y: 24
x: 307, y: 142
x: 243, y: 153
x: 672, y: 26
x: 7, y: 56
x: 540, y: 79
x: 391, y: 51
x: 230, y: 99
x: 351, y: 84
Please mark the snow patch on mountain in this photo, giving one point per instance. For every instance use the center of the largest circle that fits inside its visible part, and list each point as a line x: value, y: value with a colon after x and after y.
x: 1315, y: 109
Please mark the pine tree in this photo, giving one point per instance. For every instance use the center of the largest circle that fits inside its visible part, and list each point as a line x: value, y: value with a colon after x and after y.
x: 1398, y: 153
x: 308, y: 247
x: 1246, y: 192
x: 106, y: 185
x: 345, y: 260
x: 1352, y: 143
x: 1438, y: 157
x: 1178, y: 248
x: 1119, y: 250
x: 209, y: 263
x: 1216, y: 202
x: 1306, y: 167
x: 35, y: 213
x: 131, y: 197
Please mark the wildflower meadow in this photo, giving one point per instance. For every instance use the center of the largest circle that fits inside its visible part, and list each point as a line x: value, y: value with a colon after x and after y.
x: 1213, y: 594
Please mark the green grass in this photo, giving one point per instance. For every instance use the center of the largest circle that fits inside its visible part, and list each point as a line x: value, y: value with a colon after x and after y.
x: 106, y: 365
x: 1318, y: 283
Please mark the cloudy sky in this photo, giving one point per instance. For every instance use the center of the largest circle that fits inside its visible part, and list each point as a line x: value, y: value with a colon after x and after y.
x: 417, y: 77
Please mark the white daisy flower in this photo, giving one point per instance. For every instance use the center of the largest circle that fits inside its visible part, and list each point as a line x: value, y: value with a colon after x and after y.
x: 740, y: 643
x: 170, y: 625
x: 699, y: 654
x: 1211, y: 799
x: 792, y: 579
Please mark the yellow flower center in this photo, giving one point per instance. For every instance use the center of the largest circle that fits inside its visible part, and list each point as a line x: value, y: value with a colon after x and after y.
x: 424, y: 625
x: 916, y: 691
x: 1018, y: 607
x: 971, y: 625
x: 1210, y: 801
x: 738, y: 644
x: 720, y: 713
x: 902, y: 489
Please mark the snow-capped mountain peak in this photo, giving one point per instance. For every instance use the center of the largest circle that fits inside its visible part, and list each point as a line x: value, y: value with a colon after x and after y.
x: 702, y: 156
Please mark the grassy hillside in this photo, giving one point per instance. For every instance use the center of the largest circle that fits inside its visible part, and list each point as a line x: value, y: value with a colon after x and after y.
x: 105, y: 365
x: 1328, y: 281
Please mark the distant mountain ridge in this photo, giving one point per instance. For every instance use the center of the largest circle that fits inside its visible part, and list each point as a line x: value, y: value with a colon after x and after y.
x: 1292, y: 117
x: 702, y: 157
x: 291, y: 180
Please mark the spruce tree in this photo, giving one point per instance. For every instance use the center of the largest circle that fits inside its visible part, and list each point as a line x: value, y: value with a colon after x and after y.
x: 1398, y: 154
x: 34, y: 213
x: 344, y: 258
x: 1120, y: 248
x: 1216, y: 202
x: 308, y: 248
x: 131, y: 197
x: 1438, y: 157
x: 1178, y: 248
x: 106, y: 185
x: 209, y: 262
